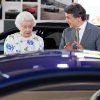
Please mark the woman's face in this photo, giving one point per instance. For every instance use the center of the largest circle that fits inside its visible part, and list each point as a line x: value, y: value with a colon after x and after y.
x: 26, y: 28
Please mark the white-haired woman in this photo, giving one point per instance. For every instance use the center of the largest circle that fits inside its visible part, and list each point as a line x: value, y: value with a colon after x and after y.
x: 24, y: 40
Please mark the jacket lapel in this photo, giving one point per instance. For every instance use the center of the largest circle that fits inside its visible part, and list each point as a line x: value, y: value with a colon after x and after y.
x: 73, y: 37
x: 86, y: 34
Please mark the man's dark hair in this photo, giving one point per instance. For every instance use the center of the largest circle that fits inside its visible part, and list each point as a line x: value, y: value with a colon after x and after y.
x: 76, y: 10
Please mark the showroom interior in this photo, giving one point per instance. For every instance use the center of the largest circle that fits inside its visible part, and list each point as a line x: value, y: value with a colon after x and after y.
x: 51, y: 74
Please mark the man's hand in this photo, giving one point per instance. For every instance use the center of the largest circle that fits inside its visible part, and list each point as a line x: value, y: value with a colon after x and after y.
x: 73, y: 46
x: 78, y: 46
x: 68, y: 46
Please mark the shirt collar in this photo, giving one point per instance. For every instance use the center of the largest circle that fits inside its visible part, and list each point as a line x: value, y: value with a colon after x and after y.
x: 82, y: 27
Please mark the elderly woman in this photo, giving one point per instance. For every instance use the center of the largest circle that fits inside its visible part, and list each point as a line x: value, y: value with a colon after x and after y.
x: 25, y: 40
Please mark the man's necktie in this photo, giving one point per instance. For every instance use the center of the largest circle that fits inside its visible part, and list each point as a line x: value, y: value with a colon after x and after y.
x: 77, y: 34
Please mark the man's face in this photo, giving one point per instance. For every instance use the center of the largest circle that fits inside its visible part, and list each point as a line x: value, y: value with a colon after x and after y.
x: 26, y: 28
x: 71, y: 20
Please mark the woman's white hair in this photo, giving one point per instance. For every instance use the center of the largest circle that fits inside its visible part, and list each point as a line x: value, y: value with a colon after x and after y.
x: 24, y: 16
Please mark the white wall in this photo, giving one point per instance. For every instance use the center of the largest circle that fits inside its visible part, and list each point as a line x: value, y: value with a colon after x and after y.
x: 1, y: 26
x: 92, y: 8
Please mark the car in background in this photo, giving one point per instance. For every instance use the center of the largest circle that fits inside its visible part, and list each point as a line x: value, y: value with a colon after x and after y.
x: 12, y: 0
x: 31, y: 10
x: 30, y: 0
x: 11, y: 13
x: 51, y: 8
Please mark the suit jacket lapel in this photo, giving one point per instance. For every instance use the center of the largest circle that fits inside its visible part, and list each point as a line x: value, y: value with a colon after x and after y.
x: 73, y: 38
x: 86, y: 34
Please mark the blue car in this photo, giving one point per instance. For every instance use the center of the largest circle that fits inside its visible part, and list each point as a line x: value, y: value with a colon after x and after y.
x: 50, y: 70
x: 51, y: 74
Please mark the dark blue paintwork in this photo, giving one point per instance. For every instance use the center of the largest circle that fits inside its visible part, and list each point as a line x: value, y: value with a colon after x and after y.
x: 21, y: 67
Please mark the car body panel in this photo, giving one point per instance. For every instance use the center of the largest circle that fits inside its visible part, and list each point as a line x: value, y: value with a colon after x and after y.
x: 46, y: 63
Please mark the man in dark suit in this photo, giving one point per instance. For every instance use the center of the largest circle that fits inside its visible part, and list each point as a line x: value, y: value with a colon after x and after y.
x: 89, y: 34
